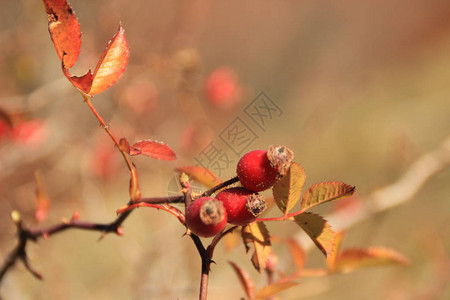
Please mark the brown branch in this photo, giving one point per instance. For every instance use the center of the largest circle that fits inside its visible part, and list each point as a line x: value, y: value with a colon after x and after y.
x: 32, y: 234
x: 390, y: 196
x: 220, y: 186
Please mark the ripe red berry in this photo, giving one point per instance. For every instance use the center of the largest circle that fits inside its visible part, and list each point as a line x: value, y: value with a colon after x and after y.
x: 258, y: 170
x: 206, y: 217
x: 243, y: 206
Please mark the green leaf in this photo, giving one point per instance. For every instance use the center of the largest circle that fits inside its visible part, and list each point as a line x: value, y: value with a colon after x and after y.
x: 273, y: 289
x: 245, y: 280
x: 318, y: 230
x: 324, y: 192
x: 257, y: 234
x: 352, y: 259
x: 288, y: 189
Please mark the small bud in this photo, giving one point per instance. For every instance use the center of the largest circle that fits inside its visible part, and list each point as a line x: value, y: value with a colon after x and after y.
x: 16, y: 217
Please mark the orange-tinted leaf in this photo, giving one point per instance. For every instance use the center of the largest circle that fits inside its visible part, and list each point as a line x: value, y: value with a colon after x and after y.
x: 245, y: 280
x: 324, y: 192
x: 318, y: 230
x: 135, y: 191
x: 331, y: 259
x: 352, y: 259
x: 273, y: 289
x: 202, y: 175
x: 232, y: 240
x: 64, y: 30
x: 153, y: 149
x: 112, y: 64
x: 257, y: 234
x: 42, y: 200
x: 298, y: 254
x: 288, y: 189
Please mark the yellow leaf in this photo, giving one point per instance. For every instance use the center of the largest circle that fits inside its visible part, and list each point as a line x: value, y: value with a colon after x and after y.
x: 231, y: 240
x: 202, y: 175
x: 352, y: 259
x: 245, y: 280
x: 273, y: 289
x: 288, y: 189
x: 331, y: 259
x: 318, y: 230
x: 257, y: 234
x: 324, y: 192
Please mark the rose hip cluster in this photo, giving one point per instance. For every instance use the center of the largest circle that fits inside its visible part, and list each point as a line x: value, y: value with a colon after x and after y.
x: 257, y: 171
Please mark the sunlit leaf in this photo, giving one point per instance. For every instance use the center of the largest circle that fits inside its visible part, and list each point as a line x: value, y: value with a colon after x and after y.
x: 318, y: 230
x: 245, y: 280
x: 273, y: 289
x: 110, y: 67
x: 42, y: 200
x: 297, y: 253
x: 288, y: 189
x: 352, y: 259
x: 331, y: 259
x: 204, y: 176
x: 232, y: 240
x: 257, y: 235
x: 64, y: 30
x: 153, y: 149
x: 324, y: 192
x: 112, y: 64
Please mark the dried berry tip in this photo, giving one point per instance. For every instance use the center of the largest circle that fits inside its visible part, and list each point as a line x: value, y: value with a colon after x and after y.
x: 280, y: 158
x: 256, y: 204
x: 212, y: 212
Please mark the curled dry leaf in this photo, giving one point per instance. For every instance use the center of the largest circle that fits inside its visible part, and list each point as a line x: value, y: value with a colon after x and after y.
x: 318, y: 230
x: 204, y: 176
x: 135, y: 191
x: 288, y: 189
x: 324, y: 192
x: 352, y: 259
x: 245, y: 280
x: 257, y: 234
x: 153, y: 149
x: 64, y: 30
x: 42, y: 200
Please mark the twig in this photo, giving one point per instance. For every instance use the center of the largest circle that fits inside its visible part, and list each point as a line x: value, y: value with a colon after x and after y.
x: 220, y: 186
x: 26, y: 234
x: 394, y: 194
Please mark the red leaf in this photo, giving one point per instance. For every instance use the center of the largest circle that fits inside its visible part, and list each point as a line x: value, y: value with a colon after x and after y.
x: 153, y: 149
x: 64, y: 30
x: 82, y: 83
x: 109, y: 69
x: 112, y: 64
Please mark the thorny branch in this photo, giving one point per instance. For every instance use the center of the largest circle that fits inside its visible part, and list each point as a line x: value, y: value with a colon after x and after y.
x: 24, y: 235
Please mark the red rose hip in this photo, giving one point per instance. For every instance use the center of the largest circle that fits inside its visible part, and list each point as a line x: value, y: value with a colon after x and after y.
x: 242, y: 205
x: 206, y: 217
x: 258, y: 170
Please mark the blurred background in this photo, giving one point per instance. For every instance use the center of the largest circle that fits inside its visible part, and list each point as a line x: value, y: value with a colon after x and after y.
x: 357, y: 89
